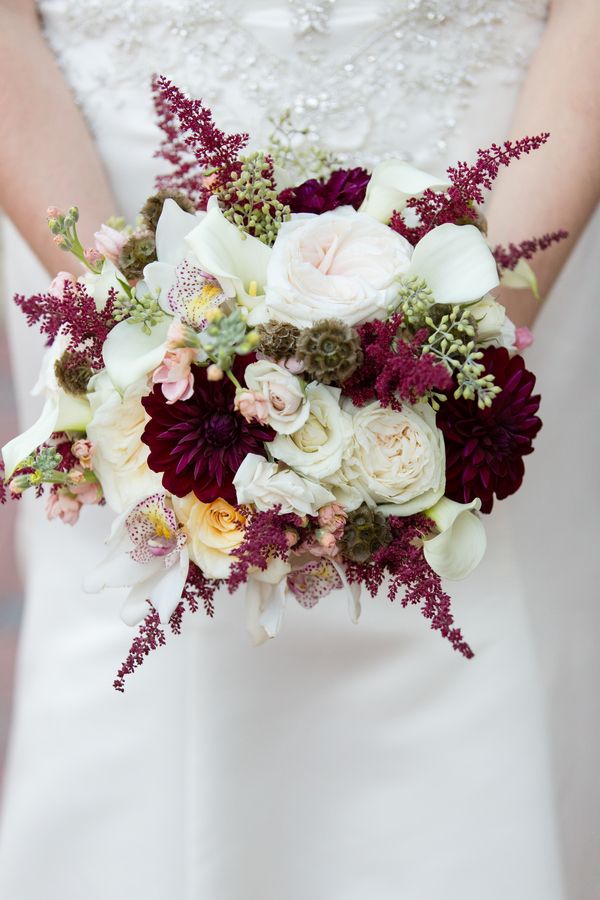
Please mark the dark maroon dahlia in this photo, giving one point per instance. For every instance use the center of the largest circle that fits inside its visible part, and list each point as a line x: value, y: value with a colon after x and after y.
x: 485, y: 447
x: 344, y: 187
x: 200, y: 443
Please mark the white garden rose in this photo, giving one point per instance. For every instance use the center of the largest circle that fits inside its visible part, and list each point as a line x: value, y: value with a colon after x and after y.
x: 287, y: 406
x: 397, y: 458
x: 494, y: 328
x: 120, y: 457
x: 339, y: 265
x: 317, y: 449
x: 266, y: 485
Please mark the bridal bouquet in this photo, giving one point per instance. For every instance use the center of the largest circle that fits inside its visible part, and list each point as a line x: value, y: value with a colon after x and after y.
x: 300, y: 387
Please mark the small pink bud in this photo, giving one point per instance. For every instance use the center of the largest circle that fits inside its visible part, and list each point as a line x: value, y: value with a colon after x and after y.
x: 76, y: 476
x: 214, y: 373
x: 59, y: 239
x: 523, y: 338
x: 92, y: 255
x: 53, y: 212
x: 291, y: 537
x: 83, y: 450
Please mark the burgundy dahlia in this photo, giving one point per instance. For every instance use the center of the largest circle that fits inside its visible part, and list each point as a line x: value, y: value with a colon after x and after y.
x: 200, y: 443
x: 344, y: 187
x: 485, y: 447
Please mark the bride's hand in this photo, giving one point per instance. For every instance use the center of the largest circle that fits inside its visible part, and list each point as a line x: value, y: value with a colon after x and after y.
x: 47, y: 155
x: 559, y: 186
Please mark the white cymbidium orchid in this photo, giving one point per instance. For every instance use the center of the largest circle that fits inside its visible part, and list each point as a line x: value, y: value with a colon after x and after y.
x: 459, y: 546
x: 172, y: 229
x: 456, y: 263
x: 266, y: 599
x: 392, y: 183
x: 148, y: 554
x: 239, y: 261
x: 61, y: 412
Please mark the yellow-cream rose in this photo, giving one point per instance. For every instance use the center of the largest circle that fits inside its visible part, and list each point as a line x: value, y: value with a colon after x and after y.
x: 214, y: 531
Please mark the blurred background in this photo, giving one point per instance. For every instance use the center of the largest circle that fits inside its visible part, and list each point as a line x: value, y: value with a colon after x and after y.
x: 10, y: 591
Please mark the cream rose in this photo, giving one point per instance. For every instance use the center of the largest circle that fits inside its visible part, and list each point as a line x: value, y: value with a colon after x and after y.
x: 266, y: 485
x: 317, y: 449
x: 340, y: 265
x: 494, y: 328
x: 287, y: 407
x: 214, y: 530
x: 120, y: 458
x: 397, y: 459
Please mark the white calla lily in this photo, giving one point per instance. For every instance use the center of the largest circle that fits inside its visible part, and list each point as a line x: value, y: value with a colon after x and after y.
x: 392, y: 183
x: 456, y: 263
x: 460, y: 545
x: 238, y: 261
x: 522, y: 276
x: 129, y: 353
x: 61, y: 411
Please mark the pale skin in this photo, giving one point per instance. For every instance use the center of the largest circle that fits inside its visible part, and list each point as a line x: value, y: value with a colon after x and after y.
x: 49, y: 157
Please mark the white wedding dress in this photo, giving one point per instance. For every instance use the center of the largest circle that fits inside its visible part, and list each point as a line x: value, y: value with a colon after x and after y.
x: 338, y: 762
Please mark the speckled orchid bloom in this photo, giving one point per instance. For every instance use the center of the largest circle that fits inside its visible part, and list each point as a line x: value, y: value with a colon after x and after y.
x: 147, y: 554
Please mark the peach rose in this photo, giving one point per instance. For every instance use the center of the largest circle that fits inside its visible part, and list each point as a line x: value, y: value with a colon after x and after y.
x: 214, y: 530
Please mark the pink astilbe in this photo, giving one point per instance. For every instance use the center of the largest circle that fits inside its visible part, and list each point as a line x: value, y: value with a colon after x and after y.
x: 393, y: 369
x: 88, y: 327
x: 265, y: 538
x: 410, y: 576
x: 509, y: 257
x: 468, y: 182
x: 191, y: 143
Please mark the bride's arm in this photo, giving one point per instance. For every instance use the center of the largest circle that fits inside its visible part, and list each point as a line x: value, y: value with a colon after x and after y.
x: 559, y: 185
x: 47, y: 155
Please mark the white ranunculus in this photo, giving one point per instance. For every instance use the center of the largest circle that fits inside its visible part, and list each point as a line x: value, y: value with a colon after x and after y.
x: 120, y: 457
x: 339, y: 265
x: 397, y: 459
x: 460, y: 543
x: 287, y: 407
x: 494, y: 328
x: 266, y: 485
x: 317, y: 449
x: 392, y: 183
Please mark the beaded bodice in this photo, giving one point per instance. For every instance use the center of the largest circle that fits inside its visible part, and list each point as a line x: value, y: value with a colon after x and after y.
x: 367, y: 79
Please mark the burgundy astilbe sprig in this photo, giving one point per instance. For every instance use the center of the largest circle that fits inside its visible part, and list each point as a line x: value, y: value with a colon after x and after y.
x: 468, y: 182
x: 200, y: 590
x: 344, y: 187
x: 509, y: 257
x: 393, y: 369
x: 191, y: 142
x: 410, y: 577
x: 150, y: 637
x: 76, y: 310
x: 265, y: 538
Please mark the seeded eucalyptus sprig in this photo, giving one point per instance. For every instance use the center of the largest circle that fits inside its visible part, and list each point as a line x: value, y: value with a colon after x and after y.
x: 144, y: 310
x: 250, y: 201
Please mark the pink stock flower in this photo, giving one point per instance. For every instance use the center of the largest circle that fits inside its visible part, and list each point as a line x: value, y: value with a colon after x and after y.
x: 110, y: 242
x: 175, y: 374
x: 180, y: 335
x: 292, y: 365
x: 83, y: 450
x: 252, y: 406
x: 320, y: 543
x: 333, y: 518
x: 57, y: 285
x: 88, y: 493
x: 92, y: 255
x: 64, y: 506
x: 523, y: 338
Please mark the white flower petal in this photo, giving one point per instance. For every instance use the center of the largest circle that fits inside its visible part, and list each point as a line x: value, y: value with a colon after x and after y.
x: 353, y: 592
x: 74, y: 413
x: 522, y: 276
x: 16, y: 450
x: 120, y: 570
x: 456, y: 263
x: 167, y: 586
x: 392, y: 183
x: 236, y: 260
x: 135, y: 608
x: 129, y: 353
x: 265, y: 608
x: 159, y: 278
x: 173, y: 227
x: 99, y: 285
x: 461, y: 544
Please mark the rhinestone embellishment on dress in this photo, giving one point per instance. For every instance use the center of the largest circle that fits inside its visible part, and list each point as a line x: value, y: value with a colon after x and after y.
x: 364, y: 79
